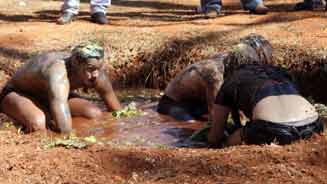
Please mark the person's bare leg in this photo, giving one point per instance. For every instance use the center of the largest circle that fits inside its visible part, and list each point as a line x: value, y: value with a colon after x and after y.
x: 24, y: 111
x: 234, y: 138
x: 84, y: 108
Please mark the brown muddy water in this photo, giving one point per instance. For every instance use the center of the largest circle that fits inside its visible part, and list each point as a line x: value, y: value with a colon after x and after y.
x: 146, y: 129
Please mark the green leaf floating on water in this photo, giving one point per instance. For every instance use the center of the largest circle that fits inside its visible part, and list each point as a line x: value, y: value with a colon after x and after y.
x: 91, y: 139
x: 201, y: 135
x: 128, y: 111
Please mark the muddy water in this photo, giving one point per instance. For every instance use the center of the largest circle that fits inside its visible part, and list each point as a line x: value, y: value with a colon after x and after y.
x: 148, y: 129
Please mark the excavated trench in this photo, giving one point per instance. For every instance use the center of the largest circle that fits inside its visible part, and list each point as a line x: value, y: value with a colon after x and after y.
x: 307, y: 66
x: 148, y: 74
x: 152, y: 129
x: 113, y: 163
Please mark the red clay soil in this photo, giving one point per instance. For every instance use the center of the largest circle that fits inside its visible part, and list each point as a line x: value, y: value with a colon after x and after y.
x: 157, y: 32
x: 25, y: 161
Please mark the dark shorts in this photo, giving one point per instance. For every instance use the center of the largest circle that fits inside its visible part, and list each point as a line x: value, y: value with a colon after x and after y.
x: 5, y: 91
x: 194, y: 109
x: 43, y: 102
x: 264, y: 132
x: 8, y: 89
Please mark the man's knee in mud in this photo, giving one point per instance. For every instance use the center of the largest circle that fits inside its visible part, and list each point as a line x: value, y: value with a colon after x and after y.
x: 35, y: 122
x: 92, y: 113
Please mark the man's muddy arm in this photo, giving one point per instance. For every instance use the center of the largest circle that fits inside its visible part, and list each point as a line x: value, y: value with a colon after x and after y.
x: 104, y: 88
x: 212, y: 91
x: 58, y: 99
x: 210, y: 102
x: 219, y: 118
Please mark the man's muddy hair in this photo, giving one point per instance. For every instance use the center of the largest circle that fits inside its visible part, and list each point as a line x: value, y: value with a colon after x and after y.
x: 85, y: 51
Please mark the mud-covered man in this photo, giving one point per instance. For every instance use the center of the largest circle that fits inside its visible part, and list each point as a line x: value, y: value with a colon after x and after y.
x: 191, y: 94
x: 40, y: 94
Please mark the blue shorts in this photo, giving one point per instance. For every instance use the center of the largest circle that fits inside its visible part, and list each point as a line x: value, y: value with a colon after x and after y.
x: 195, y: 109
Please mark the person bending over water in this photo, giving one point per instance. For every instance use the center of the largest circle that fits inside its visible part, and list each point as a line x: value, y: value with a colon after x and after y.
x: 272, y: 102
x: 40, y: 93
x: 191, y: 94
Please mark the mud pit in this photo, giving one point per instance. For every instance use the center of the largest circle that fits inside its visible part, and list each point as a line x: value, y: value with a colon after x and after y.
x: 148, y: 42
x: 148, y: 128
x: 144, y: 149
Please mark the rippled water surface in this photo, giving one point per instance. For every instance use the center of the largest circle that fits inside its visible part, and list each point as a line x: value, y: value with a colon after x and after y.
x: 147, y: 129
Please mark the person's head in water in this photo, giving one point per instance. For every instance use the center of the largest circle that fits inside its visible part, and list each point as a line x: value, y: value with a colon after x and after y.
x: 87, y: 60
x: 252, y: 49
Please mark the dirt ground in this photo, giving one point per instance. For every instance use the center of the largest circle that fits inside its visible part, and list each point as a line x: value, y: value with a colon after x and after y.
x: 147, y: 43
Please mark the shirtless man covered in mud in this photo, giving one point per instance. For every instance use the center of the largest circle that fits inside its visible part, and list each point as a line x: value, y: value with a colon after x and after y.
x: 191, y: 94
x: 40, y: 94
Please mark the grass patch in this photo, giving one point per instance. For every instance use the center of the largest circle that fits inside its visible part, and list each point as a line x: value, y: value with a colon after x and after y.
x: 69, y: 142
x: 201, y: 135
x: 321, y: 109
x: 128, y: 111
x: 7, y: 125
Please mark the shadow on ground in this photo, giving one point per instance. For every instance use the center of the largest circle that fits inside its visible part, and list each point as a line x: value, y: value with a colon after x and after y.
x: 14, y: 53
x: 166, y: 12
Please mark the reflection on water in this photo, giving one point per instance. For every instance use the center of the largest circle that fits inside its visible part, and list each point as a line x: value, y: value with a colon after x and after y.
x: 148, y: 129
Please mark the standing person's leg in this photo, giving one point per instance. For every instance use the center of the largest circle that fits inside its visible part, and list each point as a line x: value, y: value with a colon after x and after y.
x: 23, y: 111
x: 69, y: 11
x: 98, y: 11
x: 255, y: 6
x: 210, y: 8
x: 71, y: 6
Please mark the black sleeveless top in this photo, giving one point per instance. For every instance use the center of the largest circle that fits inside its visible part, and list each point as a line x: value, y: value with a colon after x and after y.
x: 250, y: 83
